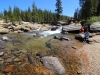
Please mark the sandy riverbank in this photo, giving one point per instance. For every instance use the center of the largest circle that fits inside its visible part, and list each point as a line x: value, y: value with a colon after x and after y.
x: 89, y: 55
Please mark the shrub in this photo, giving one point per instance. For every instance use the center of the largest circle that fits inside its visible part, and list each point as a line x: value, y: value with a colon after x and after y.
x: 93, y: 19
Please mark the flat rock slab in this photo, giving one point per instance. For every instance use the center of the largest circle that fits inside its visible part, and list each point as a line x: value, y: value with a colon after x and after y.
x: 72, y: 27
x: 52, y: 63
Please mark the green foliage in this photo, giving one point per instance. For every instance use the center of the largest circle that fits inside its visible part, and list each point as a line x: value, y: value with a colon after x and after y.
x: 93, y: 19
x: 88, y: 8
x: 20, y: 20
x: 76, y: 22
x: 1, y: 15
x: 98, y: 9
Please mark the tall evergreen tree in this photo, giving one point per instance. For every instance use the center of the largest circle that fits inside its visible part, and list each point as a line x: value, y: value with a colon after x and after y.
x: 58, y: 8
x: 29, y: 14
x: 16, y: 12
x: 1, y: 15
x: 11, y: 15
x: 34, y: 13
x: 6, y: 16
x: 76, y: 14
x: 88, y: 8
x: 94, y: 6
x: 98, y: 9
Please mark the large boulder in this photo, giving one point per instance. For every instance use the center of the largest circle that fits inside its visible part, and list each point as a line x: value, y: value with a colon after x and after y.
x: 53, y: 64
x: 19, y: 27
x: 71, y: 27
x: 25, y: 28
x: 81, y: 36
x: 95, y: 26
x: 4, y: 31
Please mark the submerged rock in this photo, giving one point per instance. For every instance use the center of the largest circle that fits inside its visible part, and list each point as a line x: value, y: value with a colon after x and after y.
x: 8, y: 69
x: 30, y: 58
x: 52, y: 63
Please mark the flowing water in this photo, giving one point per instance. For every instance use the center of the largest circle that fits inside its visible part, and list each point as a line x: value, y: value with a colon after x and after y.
x: 50, y: 32
x: 46, y: 33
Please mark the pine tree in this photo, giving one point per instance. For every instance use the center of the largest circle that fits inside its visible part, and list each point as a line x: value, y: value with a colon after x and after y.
x: 58, y: 8
x: 76, y: 14
x: 29, y: 14
x: 34, y: 13
x: 17, y: 13
x: 6, y: 16
x: 23, y: 15
x: 11, y: 15
x: 1, y: 15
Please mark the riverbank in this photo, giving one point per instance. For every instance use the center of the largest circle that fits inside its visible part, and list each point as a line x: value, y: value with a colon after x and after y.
x: 89, y: 57
x: 84, y: 60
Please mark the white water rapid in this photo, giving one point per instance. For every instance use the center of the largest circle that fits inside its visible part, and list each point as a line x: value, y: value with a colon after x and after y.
x: 50, y: 32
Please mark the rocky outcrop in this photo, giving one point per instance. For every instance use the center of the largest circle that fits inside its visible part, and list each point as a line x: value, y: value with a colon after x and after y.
x: 80, y: 36
x: 4, y: 31
x: 95, y: 26
x: 71, y: 27
x: 25, y: 27
x: 52, y: 63
x: 19, y: 27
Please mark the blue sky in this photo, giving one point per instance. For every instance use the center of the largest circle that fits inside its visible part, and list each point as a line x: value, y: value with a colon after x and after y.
x: 69, y: 6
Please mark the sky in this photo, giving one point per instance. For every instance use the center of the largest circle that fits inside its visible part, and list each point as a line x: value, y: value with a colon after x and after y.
x: 69, y: 6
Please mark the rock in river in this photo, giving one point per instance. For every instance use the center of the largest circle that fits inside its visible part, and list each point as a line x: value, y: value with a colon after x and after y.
x: 53, y: 64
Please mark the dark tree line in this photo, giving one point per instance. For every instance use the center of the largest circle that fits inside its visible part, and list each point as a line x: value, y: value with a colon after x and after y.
x: 88, y: 9
x: 30, y: 15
